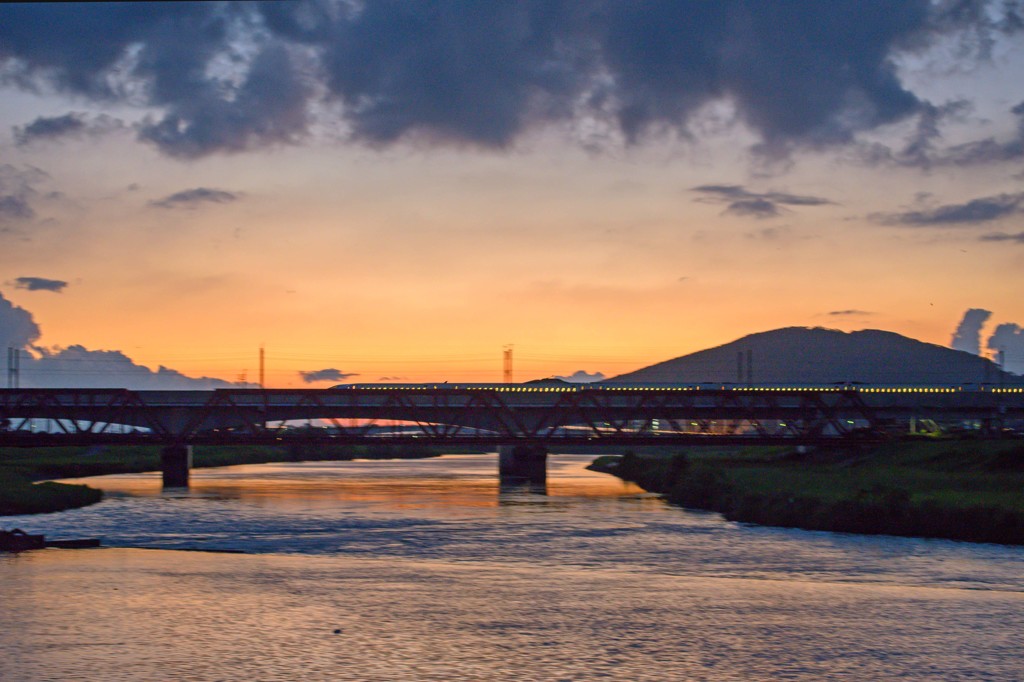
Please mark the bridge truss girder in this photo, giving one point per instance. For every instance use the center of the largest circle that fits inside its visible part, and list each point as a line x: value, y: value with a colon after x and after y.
x: 435, y: 415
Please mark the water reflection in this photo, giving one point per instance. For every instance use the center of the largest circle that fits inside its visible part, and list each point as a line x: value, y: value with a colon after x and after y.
x: 510, y: 489
x: 450, y: 482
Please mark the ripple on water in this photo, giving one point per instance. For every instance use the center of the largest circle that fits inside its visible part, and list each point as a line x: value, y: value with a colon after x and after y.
x: 431, y: 572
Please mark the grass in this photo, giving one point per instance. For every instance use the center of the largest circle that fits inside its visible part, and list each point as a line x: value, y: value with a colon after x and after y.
x: 970, y: 490
x: 19, y: 495
x: 962, y: 474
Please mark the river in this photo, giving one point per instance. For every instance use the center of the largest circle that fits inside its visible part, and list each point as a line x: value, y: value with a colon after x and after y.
x: 428, y: 570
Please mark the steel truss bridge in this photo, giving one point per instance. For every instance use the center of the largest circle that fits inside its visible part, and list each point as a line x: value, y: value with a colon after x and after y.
x: 495, y: 414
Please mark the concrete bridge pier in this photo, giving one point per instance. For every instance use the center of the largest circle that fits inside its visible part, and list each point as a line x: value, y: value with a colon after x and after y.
x: 175, y: 462
x: 523, y: 463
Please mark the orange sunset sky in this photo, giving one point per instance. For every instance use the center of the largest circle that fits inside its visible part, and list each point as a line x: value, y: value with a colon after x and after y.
x: 396, y: 193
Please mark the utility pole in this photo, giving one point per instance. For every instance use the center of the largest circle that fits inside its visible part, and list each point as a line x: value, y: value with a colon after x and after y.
x: 262, y: 367
x: 507, y: 364
x: 13, y: 366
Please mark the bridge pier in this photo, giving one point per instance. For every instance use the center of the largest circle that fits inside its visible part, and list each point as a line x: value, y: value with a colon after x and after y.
x: 175, y: 462
x: 521, y: 462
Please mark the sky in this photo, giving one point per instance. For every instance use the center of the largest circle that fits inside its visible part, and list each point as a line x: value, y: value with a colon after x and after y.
x: 399, y: 190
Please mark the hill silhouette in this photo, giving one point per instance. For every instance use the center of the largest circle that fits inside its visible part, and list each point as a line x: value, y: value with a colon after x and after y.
x: 824, y: 356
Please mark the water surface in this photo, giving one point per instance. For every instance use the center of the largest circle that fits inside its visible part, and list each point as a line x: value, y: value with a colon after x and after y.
x: 429, y: 570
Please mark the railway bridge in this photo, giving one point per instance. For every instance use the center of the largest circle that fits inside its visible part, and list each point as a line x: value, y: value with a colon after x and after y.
x: 522, y: 421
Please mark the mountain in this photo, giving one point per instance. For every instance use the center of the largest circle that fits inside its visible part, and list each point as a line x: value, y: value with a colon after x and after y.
x: 824, y: 356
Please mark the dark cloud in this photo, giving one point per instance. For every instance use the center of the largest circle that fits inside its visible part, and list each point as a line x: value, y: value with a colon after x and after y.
x: 671, y: 58
x: 1003, y: 237
x: 181, y: 58
x: 268, y: 107
x: 17, y: 327
x: 329, y: 374
x: 743, y: 202
x: 582, y: 377
x: 17, y: 190
x: 1007, y: 341
x: 973, y: 212
x: 48, y: 128
x: 229, y: 77
x: 967, y: 336
x: 78, y: 47
x: 191, y: 198
x: 464, y: 71
x: 40, y: 284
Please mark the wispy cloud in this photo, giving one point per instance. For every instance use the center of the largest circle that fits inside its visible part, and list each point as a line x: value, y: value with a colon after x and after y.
x: 976, y: 211
x: 924, y: 148
x: 741, y: 201
x: 17, y: 192
x: 70, y: 125
x: 192, y: 198
x: 853, y: 312
x: 1003, y: 237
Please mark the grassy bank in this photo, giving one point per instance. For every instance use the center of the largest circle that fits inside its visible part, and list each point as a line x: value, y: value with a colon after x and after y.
x: 20, y: 468
x: 961, y: 490
x: 19, y: 495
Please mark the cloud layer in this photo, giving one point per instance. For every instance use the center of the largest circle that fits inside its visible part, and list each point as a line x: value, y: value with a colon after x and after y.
x: 230, y: 77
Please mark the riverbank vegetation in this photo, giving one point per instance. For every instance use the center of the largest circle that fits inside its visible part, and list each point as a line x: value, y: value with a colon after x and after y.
x: 962, y: 490
x: 21, y: 469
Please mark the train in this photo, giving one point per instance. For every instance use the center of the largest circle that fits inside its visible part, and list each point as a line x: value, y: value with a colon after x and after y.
x: 559, y: 386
